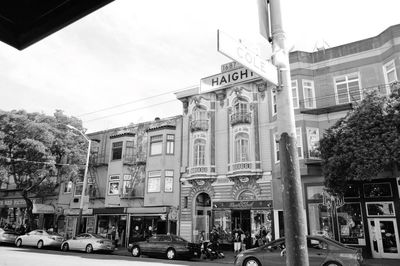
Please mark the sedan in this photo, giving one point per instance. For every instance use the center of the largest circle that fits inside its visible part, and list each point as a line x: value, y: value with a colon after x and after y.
x: 88, y: 243
x: 169, y: 246
x: 40, y: 239
x: 8, y: 236
x: 321, y: 251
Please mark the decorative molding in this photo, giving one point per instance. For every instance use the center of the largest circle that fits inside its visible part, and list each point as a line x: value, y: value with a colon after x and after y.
x: 241, y: 186
x: 204, y: 187
x: 221, y: 96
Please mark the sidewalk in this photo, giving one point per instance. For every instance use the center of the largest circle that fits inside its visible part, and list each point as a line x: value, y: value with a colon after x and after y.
x: 230, y: 257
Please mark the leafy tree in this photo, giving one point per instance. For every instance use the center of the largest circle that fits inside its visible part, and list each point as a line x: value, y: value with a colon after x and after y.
x: 38, y: 152
x: 364, y: 143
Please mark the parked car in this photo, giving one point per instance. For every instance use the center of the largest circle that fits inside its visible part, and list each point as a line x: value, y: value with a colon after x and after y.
x: 88, y: 243
x: 8, y: 236
x: 321, y: 251
x: 170, y: 246
x: 40, y: 239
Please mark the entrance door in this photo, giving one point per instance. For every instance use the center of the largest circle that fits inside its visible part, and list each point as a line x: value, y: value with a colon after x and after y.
x: 202, y: 214
x: 384, y: 238
x: 241, y: 220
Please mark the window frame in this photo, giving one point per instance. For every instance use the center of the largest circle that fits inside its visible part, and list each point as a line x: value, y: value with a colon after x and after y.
x: 114, y: 179
x: 239, y: 155
x: 114, y: 149
x: 295, y: 88
x: 385, y: 74
x: 307, y: 100
x: 154, y: 176
x: 169, y: 176
x: 154, y: 140
x: 170, y: 145
x: 273, y: 103
x: 346, y: 77
x: 69, y: 185
x: 197, y: 158
x: 299, y: 141
x: 276, y: 147
x: 309, y: 146
x: 129, y: 150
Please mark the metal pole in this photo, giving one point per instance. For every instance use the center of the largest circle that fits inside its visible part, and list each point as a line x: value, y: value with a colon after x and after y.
x: 294, y: 216
x: 85, y: 181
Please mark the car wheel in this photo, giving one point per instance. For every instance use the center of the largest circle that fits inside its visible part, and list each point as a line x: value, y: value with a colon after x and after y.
x: 19, y: 243
x: 332, y: 263
x: 135, y: 251
x: 65, y: 247
x: 251, y: 262
x: 171, y: 254
x: 89, y: 249
x: 40, y: 244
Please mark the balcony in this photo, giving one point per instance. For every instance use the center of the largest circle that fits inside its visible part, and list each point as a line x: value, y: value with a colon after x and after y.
x: 199, y: 125
x: 240, y: 118
x: 244, y: 168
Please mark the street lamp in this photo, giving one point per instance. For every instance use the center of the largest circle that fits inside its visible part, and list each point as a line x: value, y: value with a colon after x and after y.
x: 85, y: 178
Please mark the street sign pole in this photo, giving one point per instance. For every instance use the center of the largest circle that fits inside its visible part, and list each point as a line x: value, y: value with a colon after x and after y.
x: 294, y: 214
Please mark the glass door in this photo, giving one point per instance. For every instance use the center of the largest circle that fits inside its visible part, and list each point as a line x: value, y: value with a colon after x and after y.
x: 384, y: 238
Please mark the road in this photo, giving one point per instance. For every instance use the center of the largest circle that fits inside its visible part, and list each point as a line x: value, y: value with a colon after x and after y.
x: 13, y: 256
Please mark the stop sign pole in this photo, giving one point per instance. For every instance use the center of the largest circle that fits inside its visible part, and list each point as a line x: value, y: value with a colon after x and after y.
x: 271, y: 27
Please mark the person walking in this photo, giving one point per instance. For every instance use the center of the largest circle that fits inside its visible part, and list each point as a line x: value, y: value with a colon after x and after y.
x: 237, y: 242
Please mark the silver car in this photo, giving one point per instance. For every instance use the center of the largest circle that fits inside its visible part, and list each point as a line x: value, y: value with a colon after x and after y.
x: 321, y: 251
x: 8, y: 236
x: 40, y: 239
x: 88, y: 243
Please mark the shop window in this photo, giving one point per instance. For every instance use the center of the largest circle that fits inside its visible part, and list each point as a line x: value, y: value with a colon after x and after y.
x: 68, y: 187
x: 247, y: 195
x: 261, y: 220
x: 377, y: 190
x: 315, y: 192
x: 350, y: 223
x: 116, y: 152
x: 222, y: 221
x: 170, y: 144
x: 156, y: 145
x: 242, y: 147
x: 380, y: 209
x: 154, y: 181
x: 169, y: 181
x: 320, y: 220
x: 352, y: 191
x: 113, y: 185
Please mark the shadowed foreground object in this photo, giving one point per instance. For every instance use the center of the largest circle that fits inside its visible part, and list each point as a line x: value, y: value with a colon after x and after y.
x: 25, y: 22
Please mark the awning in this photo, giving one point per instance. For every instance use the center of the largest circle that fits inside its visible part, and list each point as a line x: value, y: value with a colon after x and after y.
x: 42, y: 208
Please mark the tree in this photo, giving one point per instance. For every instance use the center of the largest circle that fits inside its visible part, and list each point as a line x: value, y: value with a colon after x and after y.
x: 38, y: 152
x: 363, y: 144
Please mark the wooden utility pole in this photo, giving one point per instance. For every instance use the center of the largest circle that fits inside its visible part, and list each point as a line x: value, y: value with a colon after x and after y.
x: 294, y: 214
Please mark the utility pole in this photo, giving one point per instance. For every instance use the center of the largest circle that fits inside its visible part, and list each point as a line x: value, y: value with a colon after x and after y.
x: 294, y: 215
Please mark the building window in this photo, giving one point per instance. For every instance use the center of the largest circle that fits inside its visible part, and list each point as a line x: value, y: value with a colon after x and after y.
x: 170, y: 144
x: 185, y: 202
x: 348, y: 88
x: 389, y: 70
x: 380, y: 208
x: 116, y: 151
x: 295, y: 94
x: 94, y: 155
x: 169, y: 181
x: 309, y: 94
x: 276, y: 146
x: 127, y: 184
x: 240, y: 107
x: 242, y: 147
x: 78, y: 189
x: 129, y: 150
x: 199, y: 150
x: 154, y: 181
x: 156, y: 145
x: 68, y: 187
x: 377, y: 190
x: 299, y: 142
x: 113, y: 185
x: 273, y: 100
x: 313, y: 142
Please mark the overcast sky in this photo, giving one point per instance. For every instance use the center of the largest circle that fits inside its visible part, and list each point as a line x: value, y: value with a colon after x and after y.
x: 122, y: 63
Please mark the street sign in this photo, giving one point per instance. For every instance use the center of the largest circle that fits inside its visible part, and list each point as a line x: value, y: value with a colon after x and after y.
x: 235, y: 50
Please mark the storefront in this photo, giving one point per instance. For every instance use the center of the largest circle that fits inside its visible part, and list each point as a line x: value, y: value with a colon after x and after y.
x: 252, y: 216
x: 112, y: 224
x: 13, y: 212
x: 67, y: 223
x: 366, y: 217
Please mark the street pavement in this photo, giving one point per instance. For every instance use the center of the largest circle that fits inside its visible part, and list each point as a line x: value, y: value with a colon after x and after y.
x: 13, y: 256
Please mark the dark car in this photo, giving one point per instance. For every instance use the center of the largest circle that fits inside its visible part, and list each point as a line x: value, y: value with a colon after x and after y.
x: 8, y: 236
x: 169, y: 246
x: 321, y: 251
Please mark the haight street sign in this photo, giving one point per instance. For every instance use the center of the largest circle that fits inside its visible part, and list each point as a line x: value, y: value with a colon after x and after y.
x: 227, y: 79
x: 235, y: 50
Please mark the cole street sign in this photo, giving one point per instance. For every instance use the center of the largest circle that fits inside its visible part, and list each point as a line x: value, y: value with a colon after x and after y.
x: 235, y: 50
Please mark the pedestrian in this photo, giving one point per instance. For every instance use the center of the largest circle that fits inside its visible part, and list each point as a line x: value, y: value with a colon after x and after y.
x: 236, y: 242
x: 248, y: 241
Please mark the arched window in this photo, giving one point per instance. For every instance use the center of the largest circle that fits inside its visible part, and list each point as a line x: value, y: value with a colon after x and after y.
x: 247, y: 195
x: 199, y: 152
x: 199, y: 113
x: 242, y: 147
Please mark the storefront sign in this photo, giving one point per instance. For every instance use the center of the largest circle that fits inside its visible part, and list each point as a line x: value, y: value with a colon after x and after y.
x: 76, y: 212
x: 13, y: 203
x: 244, y: 204
x: 117, y: 210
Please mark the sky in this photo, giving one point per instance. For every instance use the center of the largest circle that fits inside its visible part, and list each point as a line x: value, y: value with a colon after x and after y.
x: 123, y: 63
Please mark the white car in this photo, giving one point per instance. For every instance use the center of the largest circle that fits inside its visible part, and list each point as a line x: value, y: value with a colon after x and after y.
x: 88, y: 243
x: 40, y: 239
